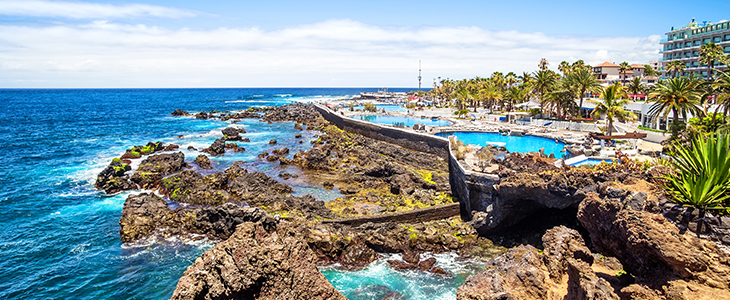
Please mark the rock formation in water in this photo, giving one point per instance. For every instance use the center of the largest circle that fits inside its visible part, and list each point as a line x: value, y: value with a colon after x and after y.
x: 256, y: 264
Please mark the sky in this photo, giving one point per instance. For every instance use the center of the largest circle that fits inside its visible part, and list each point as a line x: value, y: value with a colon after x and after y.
x: 185, y: 43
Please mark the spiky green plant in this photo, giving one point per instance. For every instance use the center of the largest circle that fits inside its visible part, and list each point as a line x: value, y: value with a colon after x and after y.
x: 702, y: 178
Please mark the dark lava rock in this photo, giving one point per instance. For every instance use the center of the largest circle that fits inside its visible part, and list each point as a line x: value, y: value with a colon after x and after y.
x: 650, y: 246
x: 284, y: 161
x: 524, y: 273
x: 427, y: 264
x: 146, y: 215
x: 246, y: 140
x: 253, y: 186
x: 203, y: 162
x: 235, y: 147
x: 256, y: 264
x: 298, y: 126
x: 280, y: 152
x: 232, y: 134
x: 217, y: 148
x: 202, y: 115
x: 179, y: 112
x: 357, y: 256
x: 153, y: 168
x: 402, y: 184
x: 112, y: 179
x: 272, y: 142
x: 401, y: 265
x: 192, y: 187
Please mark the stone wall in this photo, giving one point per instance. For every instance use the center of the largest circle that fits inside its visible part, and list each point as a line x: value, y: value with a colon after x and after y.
x: 474, y: 190
x: 405, y: 138
x: 416, y: 215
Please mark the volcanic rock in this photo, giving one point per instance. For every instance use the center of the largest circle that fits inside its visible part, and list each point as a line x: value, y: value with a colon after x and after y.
x: 179, y: 112
x: 217, y: 148
x: 153, y: 168
x: 112, y: 179
x: 256, y: 264
x: 203, y: 162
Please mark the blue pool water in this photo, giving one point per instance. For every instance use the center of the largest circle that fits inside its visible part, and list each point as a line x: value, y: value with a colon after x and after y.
x: 406, y: 121
x: 59, y: 236
x: 591, y: 162
x: 524, y: 144
x: 387, y: 107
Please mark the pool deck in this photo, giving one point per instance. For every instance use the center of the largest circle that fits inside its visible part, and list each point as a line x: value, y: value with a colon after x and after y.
x: 485, y: 122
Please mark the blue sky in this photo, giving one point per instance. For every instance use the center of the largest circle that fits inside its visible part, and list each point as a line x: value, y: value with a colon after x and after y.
x: 320, y: 43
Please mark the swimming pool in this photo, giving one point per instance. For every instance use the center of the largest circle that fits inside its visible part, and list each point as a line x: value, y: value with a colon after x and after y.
x: 387, y: 107
x: 405, y: 121
x: 528, y: 143
x: 591, y: 162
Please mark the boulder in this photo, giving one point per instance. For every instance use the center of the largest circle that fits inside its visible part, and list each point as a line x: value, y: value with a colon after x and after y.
x: 256, y: 264
x: 154, y: 168
x: 112, y: 178
x: 217, y: 148
x: 272, y: 142
x: 179, y: 112
x: 652, y: 247
x: 203, y: 162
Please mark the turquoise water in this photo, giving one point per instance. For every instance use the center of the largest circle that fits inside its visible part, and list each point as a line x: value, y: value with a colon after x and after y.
x: 524, y: 144
x: 59, y: 236
x: 387, y: 107
x: 591, y: 162
x: 379, y: 279
x: 405, y: 121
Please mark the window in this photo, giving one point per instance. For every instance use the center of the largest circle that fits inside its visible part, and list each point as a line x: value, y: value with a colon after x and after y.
x: 716, y: 39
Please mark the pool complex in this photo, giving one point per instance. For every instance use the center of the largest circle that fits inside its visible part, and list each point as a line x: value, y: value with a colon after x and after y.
x: 591, y: 162
x: 524, y: 144
x: 387, y: 107
x: 405, y: 121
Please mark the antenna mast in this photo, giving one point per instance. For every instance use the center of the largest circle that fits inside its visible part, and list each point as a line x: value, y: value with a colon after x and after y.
x: 419, y: 77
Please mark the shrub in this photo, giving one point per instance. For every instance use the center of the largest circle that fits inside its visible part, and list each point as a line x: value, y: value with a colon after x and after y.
x: 148, y: 149
x: 410, y: 105
x: 702, y: 180
x: 535, y: 111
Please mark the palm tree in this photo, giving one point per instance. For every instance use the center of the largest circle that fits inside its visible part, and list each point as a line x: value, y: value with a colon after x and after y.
x: 675, y: 66
x: 510, y: 79
x: 612, y: 106
x: 721, y: 85
x: 561, y: 98
x: 678, y: 95
x: 579, y: 64
x: 492, y: 93
x: 564, y: 67
x: 583, y: 80
x: 623, y: 68
x: 635, y: 86
x: 649, y: 71
x: 709, y: 54
x: 543, y: 65
x: 544, y: 81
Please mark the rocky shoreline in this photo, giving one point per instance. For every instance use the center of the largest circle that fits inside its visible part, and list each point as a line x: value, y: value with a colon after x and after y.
x: 630, y: 244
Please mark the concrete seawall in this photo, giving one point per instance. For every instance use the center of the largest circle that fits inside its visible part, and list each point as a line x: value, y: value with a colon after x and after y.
x: 407, y: 139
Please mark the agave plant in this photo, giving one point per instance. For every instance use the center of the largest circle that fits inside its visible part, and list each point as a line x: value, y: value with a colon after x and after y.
x: 702, y: 180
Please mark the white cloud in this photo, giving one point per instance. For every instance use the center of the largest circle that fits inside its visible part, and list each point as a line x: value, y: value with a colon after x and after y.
x: 330, y: 53
x: 86, y: 10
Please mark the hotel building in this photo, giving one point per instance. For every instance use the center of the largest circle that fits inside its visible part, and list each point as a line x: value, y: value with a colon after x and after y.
x: 684, y: 44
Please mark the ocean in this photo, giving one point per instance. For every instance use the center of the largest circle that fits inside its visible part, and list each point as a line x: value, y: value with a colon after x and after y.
x: 59, y: 236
